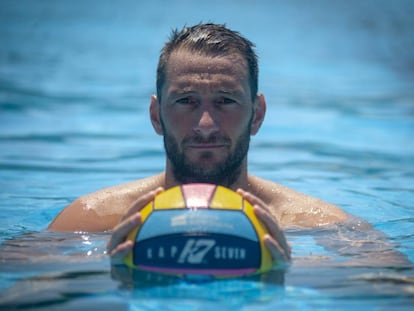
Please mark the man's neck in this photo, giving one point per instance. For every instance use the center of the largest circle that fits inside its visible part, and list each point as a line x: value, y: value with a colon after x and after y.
x: 241, y: 181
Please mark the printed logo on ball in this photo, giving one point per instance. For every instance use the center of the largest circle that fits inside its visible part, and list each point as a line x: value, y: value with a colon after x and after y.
x: 194, y: 250
x: 197, y: 251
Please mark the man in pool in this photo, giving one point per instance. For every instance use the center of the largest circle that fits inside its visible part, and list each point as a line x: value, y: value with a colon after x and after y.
x: 206, y: 108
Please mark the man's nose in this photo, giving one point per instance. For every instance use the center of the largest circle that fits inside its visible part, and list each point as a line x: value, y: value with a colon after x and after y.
x: 207, y: 124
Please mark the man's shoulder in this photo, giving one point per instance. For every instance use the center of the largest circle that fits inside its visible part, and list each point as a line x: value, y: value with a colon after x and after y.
x: 126, y: 191
x: 101, y: 210
x: 297, y: 209
x: 119, y: 197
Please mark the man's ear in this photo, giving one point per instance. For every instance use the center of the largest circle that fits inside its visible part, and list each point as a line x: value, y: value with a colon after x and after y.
x: 155, y: 115
x: 259, y: 111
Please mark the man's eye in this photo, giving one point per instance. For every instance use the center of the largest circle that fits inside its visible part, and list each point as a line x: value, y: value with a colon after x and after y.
x: 226, y: 101
x: 185, y: 101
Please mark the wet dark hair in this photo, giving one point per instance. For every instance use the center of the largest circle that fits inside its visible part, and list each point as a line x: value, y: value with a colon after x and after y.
x: 209, y: 39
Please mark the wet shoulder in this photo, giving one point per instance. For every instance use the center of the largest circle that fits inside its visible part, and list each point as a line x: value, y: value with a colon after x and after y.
x: 117, y: 199
x: 103, y: 209
x: 295, y: 209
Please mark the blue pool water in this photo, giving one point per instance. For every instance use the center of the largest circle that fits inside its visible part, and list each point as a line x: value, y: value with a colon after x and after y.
x: 75, y: 81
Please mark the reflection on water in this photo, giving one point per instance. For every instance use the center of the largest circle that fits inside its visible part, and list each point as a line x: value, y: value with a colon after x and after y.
x: 52, y: 270
x: 75, y: 81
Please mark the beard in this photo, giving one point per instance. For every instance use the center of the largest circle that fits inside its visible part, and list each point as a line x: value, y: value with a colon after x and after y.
x: 225, y: 173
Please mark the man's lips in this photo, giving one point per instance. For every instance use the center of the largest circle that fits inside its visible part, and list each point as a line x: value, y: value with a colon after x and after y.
x: 197, y: 143
x: 206, y: 146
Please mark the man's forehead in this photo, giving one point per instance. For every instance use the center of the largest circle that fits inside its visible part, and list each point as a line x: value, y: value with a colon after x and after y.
x: 184, y: 61
x: 195, y: 83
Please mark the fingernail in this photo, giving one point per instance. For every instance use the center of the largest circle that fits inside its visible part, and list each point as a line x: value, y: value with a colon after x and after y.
x: 137, y: 218
x: 257, y: 209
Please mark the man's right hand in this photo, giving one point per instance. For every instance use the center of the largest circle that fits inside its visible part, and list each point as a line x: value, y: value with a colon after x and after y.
x: 118, y: 246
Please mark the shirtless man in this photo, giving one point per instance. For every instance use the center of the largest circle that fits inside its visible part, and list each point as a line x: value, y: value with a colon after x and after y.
x: 206, y: 109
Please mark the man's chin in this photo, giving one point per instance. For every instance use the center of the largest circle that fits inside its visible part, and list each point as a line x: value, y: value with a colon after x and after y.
x: 200, y: 175
x: 210, y: 169
x: 219, y: 175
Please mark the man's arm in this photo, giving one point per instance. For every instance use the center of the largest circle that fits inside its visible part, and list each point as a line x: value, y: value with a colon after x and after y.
x: 78, y: 217
x: 357, y: 243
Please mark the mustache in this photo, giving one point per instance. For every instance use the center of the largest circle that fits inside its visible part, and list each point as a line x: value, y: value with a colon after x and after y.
x: 214, y: 139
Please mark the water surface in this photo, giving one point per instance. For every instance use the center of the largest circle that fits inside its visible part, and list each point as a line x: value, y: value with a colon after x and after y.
x: 75, y: 81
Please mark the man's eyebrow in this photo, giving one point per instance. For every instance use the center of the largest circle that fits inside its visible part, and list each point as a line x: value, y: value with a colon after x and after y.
x: 231, y: 92
x: 181, y: 91
x: 188, y: 90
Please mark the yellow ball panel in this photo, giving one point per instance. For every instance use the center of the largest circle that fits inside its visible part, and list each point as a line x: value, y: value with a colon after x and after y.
x: 146, y: 211
x: 170, y: 199
x: 226, y: 199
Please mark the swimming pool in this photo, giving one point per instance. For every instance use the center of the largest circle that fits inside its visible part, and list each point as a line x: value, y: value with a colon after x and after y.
x: 75, y: 82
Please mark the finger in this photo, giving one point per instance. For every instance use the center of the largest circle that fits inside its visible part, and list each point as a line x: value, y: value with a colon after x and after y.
x: 273, y: 228
x: 252, y: 199
x: 120, y: 232
x: 280, y: 256
x: 118, y: 254
x: 141, y: 202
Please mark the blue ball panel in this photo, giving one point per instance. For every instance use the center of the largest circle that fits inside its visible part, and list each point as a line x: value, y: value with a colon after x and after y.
x: 224, y: 222
x: 184, y: 252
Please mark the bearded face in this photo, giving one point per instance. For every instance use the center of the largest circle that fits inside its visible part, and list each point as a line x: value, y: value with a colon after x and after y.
x: 206, y: 115
x: 223, y: 173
